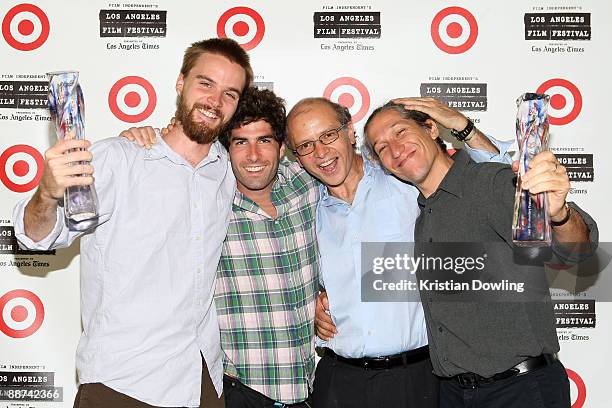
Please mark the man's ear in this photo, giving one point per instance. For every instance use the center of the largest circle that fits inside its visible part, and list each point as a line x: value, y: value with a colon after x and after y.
x: 351, y: 133
x: 434, y: 132
x: 179, y: 84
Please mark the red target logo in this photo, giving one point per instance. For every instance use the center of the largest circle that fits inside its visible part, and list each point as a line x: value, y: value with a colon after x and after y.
x: 25, y: 27
x: 454, y: 30
x: 565, y: 100
x: 22, y: 313
x: 132, y: 99
x: 580, y: 386
x: 350, y: 93
x: 21, y: 168
x: 242, y: 24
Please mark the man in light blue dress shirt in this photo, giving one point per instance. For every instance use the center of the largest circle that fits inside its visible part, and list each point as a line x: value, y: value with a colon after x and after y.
x: 379, y: 355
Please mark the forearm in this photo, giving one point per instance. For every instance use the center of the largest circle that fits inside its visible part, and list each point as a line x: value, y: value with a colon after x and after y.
x: 40, y: 216
x: 479, y: 141
x: 574, y: 230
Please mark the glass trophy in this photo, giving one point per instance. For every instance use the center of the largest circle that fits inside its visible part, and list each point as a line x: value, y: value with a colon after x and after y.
x: 67, y: 114
x: 531, y: 226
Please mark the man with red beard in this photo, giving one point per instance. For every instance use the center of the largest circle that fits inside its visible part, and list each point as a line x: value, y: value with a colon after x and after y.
x: 150, y: 334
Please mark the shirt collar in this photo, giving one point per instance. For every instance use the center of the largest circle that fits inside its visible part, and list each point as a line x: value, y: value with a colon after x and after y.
x: 161, y: 150
x: 452, y: 183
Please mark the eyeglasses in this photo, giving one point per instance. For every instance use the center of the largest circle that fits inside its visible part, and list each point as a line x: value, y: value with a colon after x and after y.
x: 327, y: 137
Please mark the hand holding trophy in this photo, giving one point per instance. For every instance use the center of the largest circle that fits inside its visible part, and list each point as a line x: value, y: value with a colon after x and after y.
x: 67, y: 112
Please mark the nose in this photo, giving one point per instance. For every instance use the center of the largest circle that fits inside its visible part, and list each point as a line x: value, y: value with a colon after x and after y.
x: 395, y: 149
x: 215, y: 98
x: 253, y: 153
x: 320, y: 149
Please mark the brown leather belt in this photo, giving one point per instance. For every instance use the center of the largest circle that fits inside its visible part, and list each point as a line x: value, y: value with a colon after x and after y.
x: 384, y: 362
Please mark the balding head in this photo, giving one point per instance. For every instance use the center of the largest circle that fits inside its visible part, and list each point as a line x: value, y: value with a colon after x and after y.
x: 317, y: 104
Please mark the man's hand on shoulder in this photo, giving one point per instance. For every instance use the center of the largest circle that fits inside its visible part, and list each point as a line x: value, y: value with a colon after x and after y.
x: 145, y: 136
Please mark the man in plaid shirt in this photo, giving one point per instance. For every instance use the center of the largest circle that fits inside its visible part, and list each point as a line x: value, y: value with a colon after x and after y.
x: 268, y: 274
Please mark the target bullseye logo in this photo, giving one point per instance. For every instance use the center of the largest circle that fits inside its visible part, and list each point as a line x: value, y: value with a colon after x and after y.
x: 21, y: 313
x: 21, y: 168
x: 350, y: 93
x: 565, y: 100
x: 25, y: 27
x: 242, y: 24
x: 580, y: 386
x: 132, y: 99
x: 454, y: 30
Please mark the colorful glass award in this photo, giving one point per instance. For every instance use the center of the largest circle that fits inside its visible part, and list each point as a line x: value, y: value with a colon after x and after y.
x: 531, y: 226
x: 67, y: 113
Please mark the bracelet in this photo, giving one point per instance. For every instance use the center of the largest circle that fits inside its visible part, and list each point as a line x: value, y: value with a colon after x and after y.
x: 568, y: 214
x: 461, y: 135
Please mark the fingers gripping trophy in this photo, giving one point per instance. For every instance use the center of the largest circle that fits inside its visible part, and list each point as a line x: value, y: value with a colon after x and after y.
x: 67, y: 113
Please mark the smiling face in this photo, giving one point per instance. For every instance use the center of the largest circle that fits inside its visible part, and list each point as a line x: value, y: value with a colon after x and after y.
x: 332, y: 163
x: 405, y: 148
x: 255, y: 154
x: 208, y: 96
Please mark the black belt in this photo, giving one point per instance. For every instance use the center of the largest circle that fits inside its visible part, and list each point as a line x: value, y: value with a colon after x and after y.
x: 473, y: 380
x: 384, y: 362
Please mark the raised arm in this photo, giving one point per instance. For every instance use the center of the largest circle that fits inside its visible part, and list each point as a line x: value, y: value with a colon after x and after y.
x: 62, y: 170
x: 479, y: 146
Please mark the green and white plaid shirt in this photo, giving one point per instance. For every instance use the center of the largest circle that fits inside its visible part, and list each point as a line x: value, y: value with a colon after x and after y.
x: 267, y: 281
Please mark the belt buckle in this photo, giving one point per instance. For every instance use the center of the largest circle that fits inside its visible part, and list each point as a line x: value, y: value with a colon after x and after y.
x: 468, y: 380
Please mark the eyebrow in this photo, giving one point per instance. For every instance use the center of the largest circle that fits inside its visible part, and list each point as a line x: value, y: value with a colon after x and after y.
x: 393, y: 125
x: 199, y: 76
x: 242, y: 138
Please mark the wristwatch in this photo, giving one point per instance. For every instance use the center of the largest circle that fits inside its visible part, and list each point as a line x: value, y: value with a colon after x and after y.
x: 463, y: 134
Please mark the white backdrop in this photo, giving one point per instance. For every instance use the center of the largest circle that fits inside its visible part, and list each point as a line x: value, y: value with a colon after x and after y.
x: 477, y: 55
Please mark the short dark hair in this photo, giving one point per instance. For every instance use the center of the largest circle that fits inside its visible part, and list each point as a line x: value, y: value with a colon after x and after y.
x: 225, y: 47
x: 419, y: 117
x: 258, y: 104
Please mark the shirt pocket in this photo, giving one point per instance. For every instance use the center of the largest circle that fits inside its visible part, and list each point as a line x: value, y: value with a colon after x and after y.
x: 391, y: 219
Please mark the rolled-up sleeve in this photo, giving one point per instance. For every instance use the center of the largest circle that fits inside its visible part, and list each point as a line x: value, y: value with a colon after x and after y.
x: 579, y: 251
x: 481, y: 156
x: 59, y: 236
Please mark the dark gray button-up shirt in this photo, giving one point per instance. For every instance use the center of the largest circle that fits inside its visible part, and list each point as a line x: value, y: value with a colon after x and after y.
x: 474, y: 203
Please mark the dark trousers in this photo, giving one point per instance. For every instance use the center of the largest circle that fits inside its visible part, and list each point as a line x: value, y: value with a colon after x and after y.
x: 340, y: 385
x: 238, y: 395
x: 546, y: 387
x: 97, y: 395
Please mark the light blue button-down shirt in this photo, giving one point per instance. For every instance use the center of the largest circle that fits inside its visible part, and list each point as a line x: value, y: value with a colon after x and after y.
x: 384, y: 210
x: 148, y: 270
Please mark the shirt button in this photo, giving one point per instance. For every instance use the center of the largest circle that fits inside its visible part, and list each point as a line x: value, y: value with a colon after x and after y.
x: 430, y: 239
x: 440, y: 329
x: 198, y: 237
x: 429, y: 210
x: 195, y: 205
x: 369, y: 333
x: 200, y: 270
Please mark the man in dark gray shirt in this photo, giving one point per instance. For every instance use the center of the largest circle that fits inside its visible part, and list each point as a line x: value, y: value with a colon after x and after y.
x: 495, y: 350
